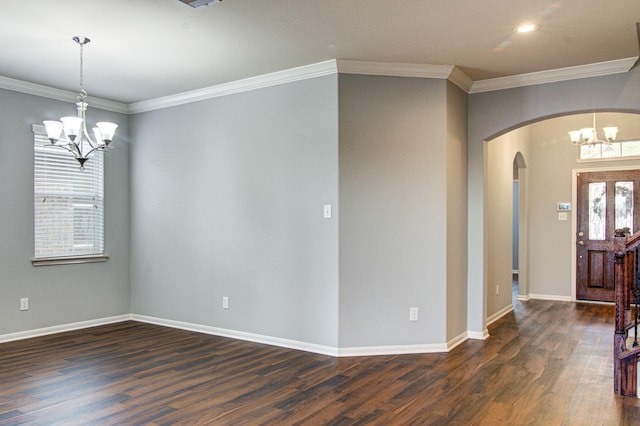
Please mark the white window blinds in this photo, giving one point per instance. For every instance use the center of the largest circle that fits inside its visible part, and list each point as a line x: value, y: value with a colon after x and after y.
x: 68, y: 202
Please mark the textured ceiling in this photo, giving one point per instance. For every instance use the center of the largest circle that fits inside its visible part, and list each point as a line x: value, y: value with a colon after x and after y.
x: 144, y: 49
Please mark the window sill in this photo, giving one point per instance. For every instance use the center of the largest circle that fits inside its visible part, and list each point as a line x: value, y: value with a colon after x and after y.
x: 69, y: 260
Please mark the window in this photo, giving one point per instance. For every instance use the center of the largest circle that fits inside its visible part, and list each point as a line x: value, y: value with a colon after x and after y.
x: 608, y: 151
x: 68, y: 205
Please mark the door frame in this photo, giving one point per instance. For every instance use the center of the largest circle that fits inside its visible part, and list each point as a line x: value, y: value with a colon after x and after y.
x: 574, y: 217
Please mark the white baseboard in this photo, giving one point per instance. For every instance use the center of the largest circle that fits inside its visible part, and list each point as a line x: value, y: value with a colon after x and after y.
x: 240, y: 335
x: 256, y: 338
x: 502, y: 312
x: 461, y: 338
x: 295, y: 344
x: 550, y: 297
x: 479, y: 335
x: 392, y: 350
x: 62, y: 328
x: 523, y: 298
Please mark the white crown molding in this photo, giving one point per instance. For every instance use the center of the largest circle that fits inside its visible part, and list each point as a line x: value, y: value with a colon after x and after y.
x: 62, y: 328
x: 460, y: 79
x: 59, y: 94
x: 319, y: 69
x: 445, y: 72
x: 333, y: 66
x: 252, y: 83
x: 394, y: 69
x: 552, y: 76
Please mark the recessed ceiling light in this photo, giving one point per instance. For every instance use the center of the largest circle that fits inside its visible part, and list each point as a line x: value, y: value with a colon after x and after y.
x: 527, y: 28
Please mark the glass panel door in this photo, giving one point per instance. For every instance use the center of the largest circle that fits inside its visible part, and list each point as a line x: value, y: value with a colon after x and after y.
x: 597, y: 210
x: 624, y: 205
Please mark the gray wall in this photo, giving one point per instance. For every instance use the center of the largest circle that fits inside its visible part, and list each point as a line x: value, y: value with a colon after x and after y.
x: 393, y: 202
x: 227, y: 200
x: 500, y: 155
x: 493, y: 113
x: 456, y: 238
x: 67, y: 293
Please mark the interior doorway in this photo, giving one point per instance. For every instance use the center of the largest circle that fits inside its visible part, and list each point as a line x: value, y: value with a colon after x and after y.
x: 519, y: 229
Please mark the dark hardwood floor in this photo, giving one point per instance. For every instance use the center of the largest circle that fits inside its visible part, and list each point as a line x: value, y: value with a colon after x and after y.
x: 547, y: 363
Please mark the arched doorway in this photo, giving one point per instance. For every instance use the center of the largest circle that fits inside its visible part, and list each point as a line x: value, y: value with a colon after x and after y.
x: 519, y: 228
x: 546, y: 253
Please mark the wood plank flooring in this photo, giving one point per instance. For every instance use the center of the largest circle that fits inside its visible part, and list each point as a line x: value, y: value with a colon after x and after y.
x: 547, y: 363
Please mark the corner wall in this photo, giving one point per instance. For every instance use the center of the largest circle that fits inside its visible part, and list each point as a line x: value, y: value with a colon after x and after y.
x: 227, y: 200
x: 456, y: 217
x: 61, y: 294
x: 393, y: 206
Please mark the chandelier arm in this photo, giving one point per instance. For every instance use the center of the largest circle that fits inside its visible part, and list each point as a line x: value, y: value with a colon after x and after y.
x: 93, y: 148
x: 69, y: 147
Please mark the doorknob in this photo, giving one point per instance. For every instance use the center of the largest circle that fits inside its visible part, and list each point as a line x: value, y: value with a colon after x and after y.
x: 581, y: 242
x: 580, y: 234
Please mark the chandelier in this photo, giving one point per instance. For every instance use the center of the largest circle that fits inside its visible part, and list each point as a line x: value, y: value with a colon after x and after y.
x: 589, y: 135
x: 71, y: 133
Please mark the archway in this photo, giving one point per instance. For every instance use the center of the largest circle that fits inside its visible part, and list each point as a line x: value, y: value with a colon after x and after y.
x: 520, y: 225
x: 548, y: 237
x: 494, y: 113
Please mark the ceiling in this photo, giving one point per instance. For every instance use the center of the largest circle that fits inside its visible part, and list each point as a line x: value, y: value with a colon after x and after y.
x: 145, y: 49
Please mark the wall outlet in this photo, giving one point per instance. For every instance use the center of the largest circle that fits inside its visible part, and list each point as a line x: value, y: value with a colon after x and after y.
x: 24, y: 304
x: 225, y: 302
x: 413, y: 314
x: 326, y: 213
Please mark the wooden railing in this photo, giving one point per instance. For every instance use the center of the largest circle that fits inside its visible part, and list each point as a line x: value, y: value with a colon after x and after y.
x: 625, y: 359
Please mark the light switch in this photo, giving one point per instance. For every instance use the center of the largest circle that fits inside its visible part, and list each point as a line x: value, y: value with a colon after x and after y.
x: 327, y: 211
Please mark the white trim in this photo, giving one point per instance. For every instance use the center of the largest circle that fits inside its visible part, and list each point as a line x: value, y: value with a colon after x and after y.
x: 389, y: 69
x: 477, y: 335
x: 294, y: 344
x: 250, y: 337
x: 333, y: 66
x: 461, y: 338
x: 460, y: 79
x: 394, y: 69
x: 502, y: 312
x: 553, y: 297
x: 523, y: 297
x: 240, y: 335
x: 392, y: 350
x: 59, y: 94
x: 252, y: 83
x: 62, y: 328
x: 551, y: 76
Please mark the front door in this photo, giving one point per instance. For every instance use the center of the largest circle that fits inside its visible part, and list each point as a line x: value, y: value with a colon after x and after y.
x: 606, y: 201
